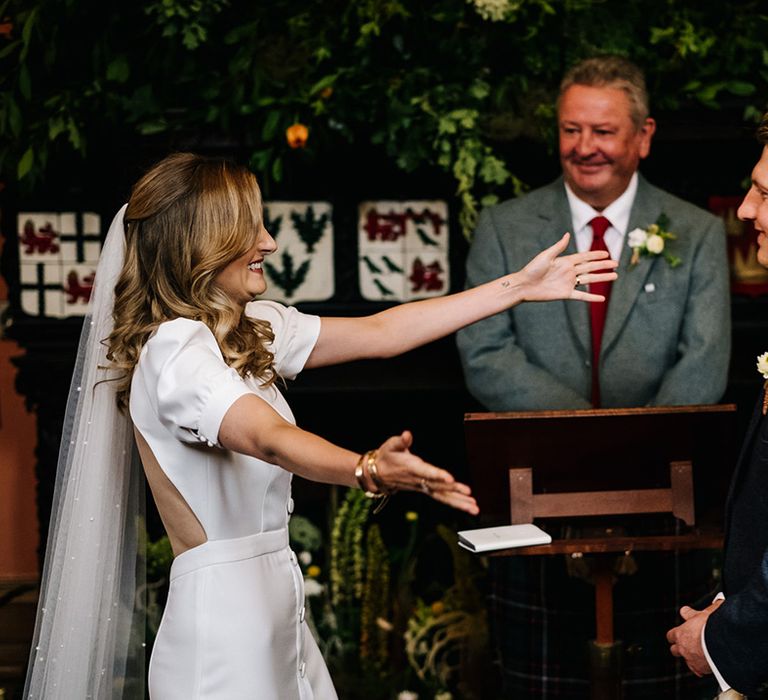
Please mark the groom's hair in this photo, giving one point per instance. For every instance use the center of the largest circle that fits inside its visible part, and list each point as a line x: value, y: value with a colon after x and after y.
x: 762, y: 130
x: 614, y: 72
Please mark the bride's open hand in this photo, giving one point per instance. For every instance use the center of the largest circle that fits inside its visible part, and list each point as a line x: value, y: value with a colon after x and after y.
x: 551, y: 275
x: 398, y: 467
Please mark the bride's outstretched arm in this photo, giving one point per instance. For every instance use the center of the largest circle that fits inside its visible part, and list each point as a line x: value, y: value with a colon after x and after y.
x: 549, y: 276
x: 251, y: 426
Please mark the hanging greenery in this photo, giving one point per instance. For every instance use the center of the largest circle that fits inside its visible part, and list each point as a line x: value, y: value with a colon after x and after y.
x: 439, y: 85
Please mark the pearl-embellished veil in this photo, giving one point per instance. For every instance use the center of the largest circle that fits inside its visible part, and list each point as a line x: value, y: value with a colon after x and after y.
x: 89, y: 633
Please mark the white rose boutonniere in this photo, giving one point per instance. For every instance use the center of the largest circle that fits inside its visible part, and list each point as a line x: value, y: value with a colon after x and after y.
x: 652, y: 241
x: 655, y: 244
x: 637, y: 238
x: 762, y: 364
x: 762, y: 367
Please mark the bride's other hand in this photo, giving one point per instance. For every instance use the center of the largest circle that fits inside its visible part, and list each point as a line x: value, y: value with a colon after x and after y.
x: 398, y: 467
x: 551, y: 276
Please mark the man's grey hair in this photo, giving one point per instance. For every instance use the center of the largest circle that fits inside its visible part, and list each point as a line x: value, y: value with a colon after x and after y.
x: 614, y: 72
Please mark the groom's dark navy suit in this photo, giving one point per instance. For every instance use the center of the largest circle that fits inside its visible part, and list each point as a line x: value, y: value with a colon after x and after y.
x: 736, y: 634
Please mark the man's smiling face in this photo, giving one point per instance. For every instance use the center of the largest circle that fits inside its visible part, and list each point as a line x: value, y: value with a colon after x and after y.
x: 600, y: 145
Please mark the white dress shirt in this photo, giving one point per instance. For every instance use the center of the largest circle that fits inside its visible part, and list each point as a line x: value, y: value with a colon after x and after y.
x: 617, y: 212
x: 720, y: 680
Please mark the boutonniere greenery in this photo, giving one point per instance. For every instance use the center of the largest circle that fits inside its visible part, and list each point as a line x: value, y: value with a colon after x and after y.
x: 652, y: 242
x: 762, y: 367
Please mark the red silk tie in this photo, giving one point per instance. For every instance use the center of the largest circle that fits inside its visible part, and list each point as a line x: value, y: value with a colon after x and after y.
x: 598, y: 311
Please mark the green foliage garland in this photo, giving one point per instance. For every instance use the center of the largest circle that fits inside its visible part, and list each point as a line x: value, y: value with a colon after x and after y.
x: 442, y: 85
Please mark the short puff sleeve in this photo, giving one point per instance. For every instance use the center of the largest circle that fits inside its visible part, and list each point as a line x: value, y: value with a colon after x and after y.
x: 295, y: 334
x: 183, y: 367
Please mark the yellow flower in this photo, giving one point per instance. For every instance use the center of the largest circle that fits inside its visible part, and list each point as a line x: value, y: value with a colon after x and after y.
x: 412, y: 516
x: 438, y: 607
x: 297, y: 135
x: 313, y: 571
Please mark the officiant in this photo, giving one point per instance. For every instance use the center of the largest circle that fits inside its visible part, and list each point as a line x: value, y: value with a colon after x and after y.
x: 662, y: 338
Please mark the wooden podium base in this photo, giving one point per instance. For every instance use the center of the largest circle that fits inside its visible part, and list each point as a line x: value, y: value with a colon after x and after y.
x: 605, y: 653
x: 605, y: 669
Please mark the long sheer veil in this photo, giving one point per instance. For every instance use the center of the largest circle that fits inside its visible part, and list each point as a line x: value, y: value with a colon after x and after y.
x: 89, y: 632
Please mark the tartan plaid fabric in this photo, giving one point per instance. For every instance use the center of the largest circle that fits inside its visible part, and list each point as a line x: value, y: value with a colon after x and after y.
x: 542, y: 619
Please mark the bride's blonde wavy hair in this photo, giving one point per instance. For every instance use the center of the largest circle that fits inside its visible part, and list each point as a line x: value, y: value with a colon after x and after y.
x: 187, y: 218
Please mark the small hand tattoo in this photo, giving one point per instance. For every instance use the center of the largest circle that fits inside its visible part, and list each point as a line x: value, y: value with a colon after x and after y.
x: 505, y: 283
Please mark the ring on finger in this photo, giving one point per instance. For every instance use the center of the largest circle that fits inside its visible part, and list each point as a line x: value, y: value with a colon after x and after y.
x: 578, y: 280
x: 425, y: 487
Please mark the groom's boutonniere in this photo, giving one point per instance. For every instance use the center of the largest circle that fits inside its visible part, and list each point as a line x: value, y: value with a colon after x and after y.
x: 762, y: 367
x: 652, y: 241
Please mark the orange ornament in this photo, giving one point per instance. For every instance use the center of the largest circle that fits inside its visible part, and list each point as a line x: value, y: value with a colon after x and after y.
x: 297, y: 135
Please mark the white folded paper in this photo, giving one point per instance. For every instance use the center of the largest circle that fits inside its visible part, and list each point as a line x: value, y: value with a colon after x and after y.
x: 485, y: 539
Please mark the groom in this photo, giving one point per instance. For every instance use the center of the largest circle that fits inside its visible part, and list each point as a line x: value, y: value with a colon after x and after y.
x: 730, y: 637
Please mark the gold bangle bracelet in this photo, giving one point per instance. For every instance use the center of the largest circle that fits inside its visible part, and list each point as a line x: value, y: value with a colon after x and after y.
x: 373, y: 471
x: 360, y: 471
x: 384, y: 491
x: 366, y: 466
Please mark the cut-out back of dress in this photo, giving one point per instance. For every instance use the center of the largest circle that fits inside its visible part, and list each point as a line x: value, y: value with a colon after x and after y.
x: 181, y: 524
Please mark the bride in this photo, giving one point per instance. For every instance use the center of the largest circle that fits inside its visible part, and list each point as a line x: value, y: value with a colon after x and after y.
x: 178, y: 358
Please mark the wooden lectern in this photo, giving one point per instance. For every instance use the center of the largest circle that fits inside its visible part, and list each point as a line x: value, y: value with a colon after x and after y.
x: 605, y: 464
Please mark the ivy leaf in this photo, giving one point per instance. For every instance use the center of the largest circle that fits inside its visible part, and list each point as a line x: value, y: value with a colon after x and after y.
x: 270, y: 125
x: 26, y: 163
x: 29, y: 23
x: 6, y: 50
x: 26, y: 33
x: 156, y: 126
x: 324, y: 82
x: 25, y: 85
x: 740, y: 88
x: 75, y: 138
x: 277, y: 169
x: 479, y: 89
x: 56, y: 126
x: 708, y: 93
x: 118, y: 70
x: 15, y: 120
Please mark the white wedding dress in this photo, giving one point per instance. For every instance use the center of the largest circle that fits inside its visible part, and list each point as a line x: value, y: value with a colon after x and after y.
x: 233, y: 626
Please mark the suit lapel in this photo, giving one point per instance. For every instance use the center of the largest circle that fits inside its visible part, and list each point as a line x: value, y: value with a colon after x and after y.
x: 745, y: 456
x: 746, y: 451
x: 625, y: 290
x: 556, y: 220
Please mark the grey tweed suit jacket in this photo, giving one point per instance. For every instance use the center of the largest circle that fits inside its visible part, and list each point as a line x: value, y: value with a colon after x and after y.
x: 667, y: 333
